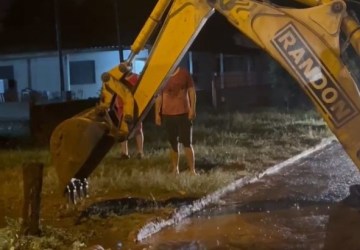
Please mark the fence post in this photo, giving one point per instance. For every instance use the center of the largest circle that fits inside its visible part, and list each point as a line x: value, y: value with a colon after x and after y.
x: 32, y: 180
x: 213, y: 90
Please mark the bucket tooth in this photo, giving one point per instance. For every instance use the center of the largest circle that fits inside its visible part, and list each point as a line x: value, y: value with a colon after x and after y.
x: 85, y: 185
x: 71, y: 193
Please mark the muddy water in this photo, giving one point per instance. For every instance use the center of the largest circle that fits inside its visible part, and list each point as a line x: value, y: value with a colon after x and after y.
x: 300, y: 207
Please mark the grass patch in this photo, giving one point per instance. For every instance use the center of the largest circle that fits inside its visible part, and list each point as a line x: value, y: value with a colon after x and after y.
x: 227, y: 146
x: 224, y: 143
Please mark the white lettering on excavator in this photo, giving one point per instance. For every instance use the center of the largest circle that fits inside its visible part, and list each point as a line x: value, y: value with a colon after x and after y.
x: 287, y: 40
x: 314, y: 76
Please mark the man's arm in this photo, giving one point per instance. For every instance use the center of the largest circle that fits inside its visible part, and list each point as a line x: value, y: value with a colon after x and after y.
x: 158, y: 103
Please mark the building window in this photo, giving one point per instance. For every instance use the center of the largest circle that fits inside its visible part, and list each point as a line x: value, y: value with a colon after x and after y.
x: 7, y: 72
x: 82, y: 72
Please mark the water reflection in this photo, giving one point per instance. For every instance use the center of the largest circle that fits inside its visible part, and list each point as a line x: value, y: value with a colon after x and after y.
x: 343, y: 227
x: 185, y: 245
x: 284, y: 224
x: 279, y: 229
x: 300, y: 208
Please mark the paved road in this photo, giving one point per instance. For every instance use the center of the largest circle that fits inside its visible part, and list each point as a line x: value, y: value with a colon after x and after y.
x: 305, y: 205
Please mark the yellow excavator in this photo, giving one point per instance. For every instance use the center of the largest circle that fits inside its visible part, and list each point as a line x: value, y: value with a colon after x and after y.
x: 305, y: 41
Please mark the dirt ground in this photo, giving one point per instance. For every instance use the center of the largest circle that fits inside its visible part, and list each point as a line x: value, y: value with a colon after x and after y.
x: 61, y: 222
x: 56, y: 213
x: 107, y: 231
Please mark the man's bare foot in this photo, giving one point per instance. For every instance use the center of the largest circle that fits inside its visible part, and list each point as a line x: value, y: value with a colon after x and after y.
x: 175, y: 171
x: 140, y: 155
x: 193, y: 172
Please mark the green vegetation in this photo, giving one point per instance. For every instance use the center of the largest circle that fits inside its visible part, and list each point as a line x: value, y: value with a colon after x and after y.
x: 227, y: 146
x: 51, y: 239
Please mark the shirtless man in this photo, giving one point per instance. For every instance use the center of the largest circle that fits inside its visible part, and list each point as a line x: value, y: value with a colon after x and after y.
x: 175, y: 107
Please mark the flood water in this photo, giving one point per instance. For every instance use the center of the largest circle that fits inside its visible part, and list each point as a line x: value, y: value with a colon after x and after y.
x: 300, y: 207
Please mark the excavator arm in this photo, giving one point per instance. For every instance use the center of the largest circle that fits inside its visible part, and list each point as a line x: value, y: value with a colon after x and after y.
x: 306, y: 42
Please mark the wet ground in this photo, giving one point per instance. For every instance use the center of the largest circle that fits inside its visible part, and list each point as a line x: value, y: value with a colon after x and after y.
x: 305, y: 205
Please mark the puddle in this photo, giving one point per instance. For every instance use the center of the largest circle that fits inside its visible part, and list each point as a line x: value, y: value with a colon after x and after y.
x: 104, y: 209
x: 303, y: 206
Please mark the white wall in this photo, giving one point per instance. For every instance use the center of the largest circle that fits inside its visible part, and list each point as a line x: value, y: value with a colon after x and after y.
x: 104, y: 61
x: 139, y: 61
x: 45, y: 74
x: 20, y: 72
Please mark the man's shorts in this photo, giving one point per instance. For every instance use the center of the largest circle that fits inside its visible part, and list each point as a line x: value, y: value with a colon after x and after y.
x: 179, y: 129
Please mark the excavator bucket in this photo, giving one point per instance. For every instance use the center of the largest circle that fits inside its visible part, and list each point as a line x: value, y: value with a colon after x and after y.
x: 78, y: 144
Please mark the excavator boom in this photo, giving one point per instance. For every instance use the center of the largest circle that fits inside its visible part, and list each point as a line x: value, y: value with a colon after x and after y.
x: 306, y: 42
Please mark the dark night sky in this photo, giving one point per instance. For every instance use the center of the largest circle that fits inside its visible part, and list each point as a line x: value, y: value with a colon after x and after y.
x: 29, y: 25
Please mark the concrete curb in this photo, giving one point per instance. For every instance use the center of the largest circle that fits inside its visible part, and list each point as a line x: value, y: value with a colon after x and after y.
x: 185, y: 211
